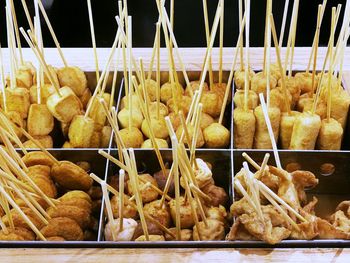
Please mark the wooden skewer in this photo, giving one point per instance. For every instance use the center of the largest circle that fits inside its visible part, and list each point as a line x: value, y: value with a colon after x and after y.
x: 195, y: 133
x: 251, y: 161
x: 268, y: 57
x: 115, y: 77
x: 246, y: 75
x: 293, y: 39
x: 263, y: 165
x: 22, y: 214
x: 142, y: 188
x: 279, y: 62
x: 154, y: 51
x: 158, y: 71
x: 230, y: 78
x: 93, y: 40
x: 207, y: 36
x: 114, y: 160
x: 38, y: 69
x: 3, y: 81
x: 3, y: 227
x: 330, y: 71
x: 13, y: 82
x: 185, y: 129
x: 269, y: 128
x: 26, y: 11
x: 48, y: 23
x: 221, y: 37
x: 283, y: 25
x: 238, y: 185
x: 134, y: 181
x: 10, y: 132
x: 317, y: 34
x: 266, y: 35
x: 109, y: 210
x: 200, y: 192
x: 121, y: 198
x: 129, y: 47
x: 18, y: 39
x: 150, y: 218
x: 177, y: 186
x: 241, y: 21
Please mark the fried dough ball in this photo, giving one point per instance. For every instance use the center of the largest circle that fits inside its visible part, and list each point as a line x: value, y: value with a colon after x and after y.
x: 275, y: 71
x: 53, y: 73
x: 80, y: 131
x: 239, y: 78
x: 186, y: 216
x: 105, y: 136
x: 305, y: 131
x: 40, y: 121
x: 36, y: 158
x: 217, y: 194
x: 17, y: 234
x: 278, y: 99
x: 253, y: 99
x: 74, y: 78
x: 18, y: 221
x: 213, y: 231
x: 85, y: 97
x: 186, y: 234
x: 161, y: 214
x: 216, y: 136
x: 200, y: 139
x: 184, y: 104
x: 292, y: 84
x: 305, y: 81
x: 244, y: 128
x: 340, y: 106
x: 195, y: 86
x: 163, y: 110
x: 78, y: 214
x: 151, y: 87
x: 63, y: 227
x: 217, y: 213
x: 71, y: 176
x: 147, y: 144
x: 330, y: 135
x: 46, y: 91
x: 286, y: 127
x: 128, y: 210
x: 148, y: 194
x: 64, y: 106
x: 134, y: 100
x: 131, y: 137
x: 212, y: 103
x: 17, y: 99
x: 175, y: 120
x: 129, y: 226
x: 153, y: 238
x: 166, y: 91
x: 124, y: 116
x: 152, y: 228
x: 261, y: 138
x: 161, y: 179
x: 39, y: 169
x: 205, y: 120
x: 158, y: 126
x: 258, y: 83
x: 75, y: 194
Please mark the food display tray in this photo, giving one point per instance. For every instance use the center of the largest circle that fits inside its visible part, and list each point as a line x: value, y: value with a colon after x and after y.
x: 333, y: 185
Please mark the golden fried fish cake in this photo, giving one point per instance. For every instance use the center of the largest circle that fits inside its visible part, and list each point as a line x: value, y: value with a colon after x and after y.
x: 79, y: 215
x: 75, y: 194
x: 39, y: 169
x: 71, y: 176
x: 37, y: 158
x: 63, y: 227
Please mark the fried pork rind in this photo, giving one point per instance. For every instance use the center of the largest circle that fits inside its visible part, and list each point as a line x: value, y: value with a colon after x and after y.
x: 218, y: 213
x: 161, y: 214
x: 214, y: 230
x: 71, y: 176
x: 302, y: 180
x: 238, y: 232
x: 37, y: 158
x: 129, y: 226
x: 63, y: 227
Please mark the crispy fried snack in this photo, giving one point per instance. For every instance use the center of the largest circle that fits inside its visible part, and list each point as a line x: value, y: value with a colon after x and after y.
x: 63, y: 227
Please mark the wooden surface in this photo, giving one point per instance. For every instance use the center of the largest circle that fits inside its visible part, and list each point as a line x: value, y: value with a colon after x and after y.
x: 193, y: 60
x: 174, y: 255
x: 192, y: 57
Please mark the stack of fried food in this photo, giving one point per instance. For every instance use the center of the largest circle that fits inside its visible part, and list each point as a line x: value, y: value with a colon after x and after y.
x: 43, y: 198
x: 271, y: 205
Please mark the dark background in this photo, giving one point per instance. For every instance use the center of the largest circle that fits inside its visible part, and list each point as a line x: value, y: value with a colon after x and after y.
x: 71, y: 24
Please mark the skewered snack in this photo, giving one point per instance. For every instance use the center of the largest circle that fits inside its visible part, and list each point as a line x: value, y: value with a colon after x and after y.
x: 81, y: 131
x: 17, y: 99
x: 151, y: 87
x: 126, y: 234
x: 330, y: 135
x: 46, y: 91
x: 212, y: 102
x: 244, y: 128
x: 216, y: 136
x: 147, y: 144
x: 306, y: 104
x: 191, y: 132
x: 239, y: 78
x: 286, y: 127
x: 305, y: 82
x: 63, y: 227
x: 158, y: 126
x: 195, y: 86
x: 40, y: 122
x: 258, y: 83
x: 293, y: 86
x: 124, y: 115
x: 131, y: 137
x: 214, y: 230
x: 183, y: 105
x: 253, y: 99
x: 148, y: 194
x: 74, y: 78
x: 166, y: 91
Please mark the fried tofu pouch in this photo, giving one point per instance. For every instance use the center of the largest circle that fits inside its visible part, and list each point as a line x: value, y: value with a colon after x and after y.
x: 244, y: 128
x: 330, y: 135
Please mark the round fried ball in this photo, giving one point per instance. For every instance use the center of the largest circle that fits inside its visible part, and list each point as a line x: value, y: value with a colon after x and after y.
x: 124, y: 116
x: 161, y: 214
x: 190, y: 129
x: 64, y: 227
x: 205, y: 120
x: 217, y: 194
x: 147, y: 144
x: 151, y: 87
x: 158, y: 127
x: 163, y: 110
x: 212, y: 103
x: 215, y: 230
x: 195, y: 86
x: 129, y: 226
x: 186, y: 216
x: 128, y: 210
x: 131, y: 137
x: 184, y: 104
x: 258, y: 83
x: 152, y: 228
x: 239, y: 78
x: 148, y: 194
x: 216, y: 136
x: 166, y: 91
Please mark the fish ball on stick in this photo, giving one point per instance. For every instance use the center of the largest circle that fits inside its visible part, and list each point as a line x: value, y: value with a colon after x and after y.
x: 258, y: 83
x: 131, y: 137
x: 166, y: 92
x: 216, y: 136
x: 239, y: 78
